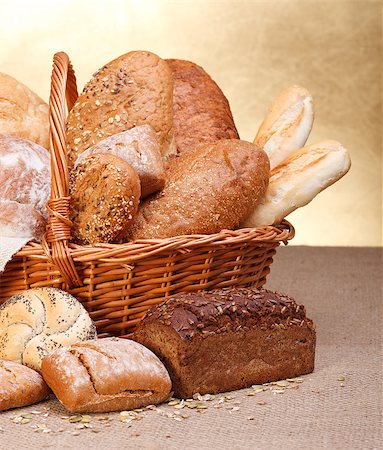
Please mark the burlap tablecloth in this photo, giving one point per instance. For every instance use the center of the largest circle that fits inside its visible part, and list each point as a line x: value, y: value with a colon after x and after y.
x: 339, y: 406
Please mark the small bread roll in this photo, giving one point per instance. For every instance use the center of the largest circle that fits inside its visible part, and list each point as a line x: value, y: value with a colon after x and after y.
x: 214, y: 188
x: 106, y: 375
x: 25, y: 181
x: 22, y: 113
x: 20, y: 386
x: 201, y: 111
x: 105, y: 192
x: 134, y: 89
x: 298, y: 180
x: 140, y: 148
x: 38, y: 321
x: 286, y: 125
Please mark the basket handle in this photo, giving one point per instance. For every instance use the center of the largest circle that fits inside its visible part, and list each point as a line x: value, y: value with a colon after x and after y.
x: 55, y: 243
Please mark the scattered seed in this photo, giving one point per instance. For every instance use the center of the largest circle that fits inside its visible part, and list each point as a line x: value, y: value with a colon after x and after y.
x: 251, y: 418
x: 95, y: 430
x: 261, y: 402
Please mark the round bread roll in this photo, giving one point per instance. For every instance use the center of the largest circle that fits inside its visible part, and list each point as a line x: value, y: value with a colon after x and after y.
x: 38, y: 321
x: 22, y: 112
x: 287, y: 124
x: 25, y: 181
x: 20, y: 386
x: 105, y: 194
x: 134, y: 89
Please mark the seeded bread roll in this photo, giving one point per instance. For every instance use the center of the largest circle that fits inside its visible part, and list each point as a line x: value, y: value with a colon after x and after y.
x: 287, y: 124
x: 296, y: 181
x: 105, y: 192
x: 20, y: 386
x: 23, y: 114
x: 106, y: 375
x: 134, y: 89
x: 24, y: 187
x: 140, y: 148
x: 224, y: 340
x: 201, y: 111
x: 208, y: 190
x: 38, y: 321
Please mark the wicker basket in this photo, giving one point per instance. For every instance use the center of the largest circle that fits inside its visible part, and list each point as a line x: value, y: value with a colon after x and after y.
x: 117, y: 283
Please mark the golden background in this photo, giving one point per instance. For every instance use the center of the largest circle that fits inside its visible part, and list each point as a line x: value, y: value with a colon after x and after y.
x: 253, y: 49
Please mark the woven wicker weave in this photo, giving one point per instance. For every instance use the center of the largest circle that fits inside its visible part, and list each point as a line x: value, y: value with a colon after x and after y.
x: 117, y: 283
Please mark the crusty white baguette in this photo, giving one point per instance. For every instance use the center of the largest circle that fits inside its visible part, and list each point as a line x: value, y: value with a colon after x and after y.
x: 287, y: 124
x: 299, y: 179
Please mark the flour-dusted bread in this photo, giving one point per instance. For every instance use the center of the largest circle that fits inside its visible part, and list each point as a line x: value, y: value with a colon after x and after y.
x: 106, y: 375
x: 25, y: 180
x: 38, y: 321
x: 105, y: 192
x: 201, y: 111
x: 287, y: 124
x: 140, y: 147
x: 22, y: 112
x: 296, y: 181
x: 134, y: 89
x: 20, y: 386
x: 229, y: 339
x: 211, y: 189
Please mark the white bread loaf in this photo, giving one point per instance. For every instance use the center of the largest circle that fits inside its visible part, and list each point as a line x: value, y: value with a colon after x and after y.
x: 25, y: 181
x: 140, y: 147
x: 287, y: 124
x: 298, y: 180
x: 22, y: 112
x: 38, y: 321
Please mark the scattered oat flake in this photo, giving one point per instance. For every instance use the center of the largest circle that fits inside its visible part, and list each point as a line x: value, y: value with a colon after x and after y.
x: 74, y: 419
x: 341, y: 384
x: 282, y: 383
x: 261, y: 402
x: 95, y: 430
x: 295, y: 380
x: 341, y: 378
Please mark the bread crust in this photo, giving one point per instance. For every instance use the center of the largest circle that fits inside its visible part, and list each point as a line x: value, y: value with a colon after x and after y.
x: 132, y: 90
x: 106, y: 375
x: 201, y: 111
x: 229, y: 339
x: 140, y: 148
x: 105, y: 193
x: 22, y: 113
x: 211, y: 189
x: 20, y: 386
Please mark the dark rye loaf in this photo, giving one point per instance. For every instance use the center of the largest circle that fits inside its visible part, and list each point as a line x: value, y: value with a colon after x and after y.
x: 229, y: 339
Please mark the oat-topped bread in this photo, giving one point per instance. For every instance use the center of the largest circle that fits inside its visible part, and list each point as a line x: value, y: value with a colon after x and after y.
x: 134, y: 89
x: 201, y: 111
x: 105, y: 192
x: 229, y: 339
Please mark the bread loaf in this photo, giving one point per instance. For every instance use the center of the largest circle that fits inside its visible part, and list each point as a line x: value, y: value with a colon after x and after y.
x: 134, y: 89
x: 20, y: 386
x: 105, y: 192
x: 201, y: 111
x: 287, y: 124
x: 38, y: 321
x: 24, y: 187
x: 211, y: 189
x: 22, y: 113
x: 224, y: 340
x: 140, y: 148
x: 298, y: 180
x: 106, y: 375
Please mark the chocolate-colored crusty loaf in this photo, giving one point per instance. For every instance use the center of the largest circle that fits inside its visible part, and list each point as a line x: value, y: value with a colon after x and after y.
x: 229, y: 339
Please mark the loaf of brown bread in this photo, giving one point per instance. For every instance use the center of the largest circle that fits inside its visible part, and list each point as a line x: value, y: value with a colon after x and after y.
x: 20, y: 386
x: 134, y: 89
x: 211, y: 189
x: 105, y: 192
x: 224, y: 340
x: 106, y: 375
x: 201, y: 111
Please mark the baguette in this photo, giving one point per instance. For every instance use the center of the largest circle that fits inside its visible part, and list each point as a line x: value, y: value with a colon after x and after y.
x: 298, y: 180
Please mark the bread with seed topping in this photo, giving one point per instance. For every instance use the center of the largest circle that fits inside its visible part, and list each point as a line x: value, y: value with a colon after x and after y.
x: 133, y: 89
x: 229, y: 339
